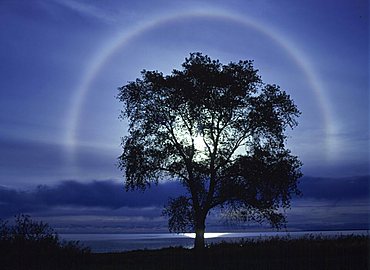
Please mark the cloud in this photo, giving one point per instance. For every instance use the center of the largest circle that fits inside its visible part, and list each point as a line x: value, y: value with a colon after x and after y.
x: 105, y: 206
x: 108, y: 194
x: 95, y: 194
x: 111, y: 194
x: 335, y: 188
x: 87, y: 10
x: 28, y: 162
x: 331, y: 204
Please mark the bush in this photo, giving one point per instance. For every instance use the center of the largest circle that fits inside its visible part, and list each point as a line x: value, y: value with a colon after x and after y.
x: 30, y: 244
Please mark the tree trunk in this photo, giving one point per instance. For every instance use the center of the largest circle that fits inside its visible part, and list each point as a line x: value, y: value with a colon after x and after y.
x: 199, y: 233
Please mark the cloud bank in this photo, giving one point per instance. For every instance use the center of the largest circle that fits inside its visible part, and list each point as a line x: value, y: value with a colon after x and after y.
x: 96, y: 194
x: 327, y: 203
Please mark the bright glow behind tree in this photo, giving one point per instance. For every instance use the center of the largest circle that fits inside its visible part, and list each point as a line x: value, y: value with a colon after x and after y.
x: 219, y: 131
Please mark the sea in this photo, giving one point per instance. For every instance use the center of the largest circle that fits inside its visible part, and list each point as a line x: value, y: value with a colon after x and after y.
x: 105, y: 243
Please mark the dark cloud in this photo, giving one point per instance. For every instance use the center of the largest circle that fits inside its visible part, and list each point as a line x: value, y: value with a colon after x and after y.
x: 335, y: 188
x: 111, y: 194
x: 331, y: 204
x: 105, y: 206
x: 101, y: 194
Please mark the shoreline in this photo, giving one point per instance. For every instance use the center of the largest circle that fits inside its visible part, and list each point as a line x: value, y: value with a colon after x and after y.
x: 103, y: 243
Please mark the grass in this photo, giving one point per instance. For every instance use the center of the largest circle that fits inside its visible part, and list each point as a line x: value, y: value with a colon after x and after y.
x: 310, y: 252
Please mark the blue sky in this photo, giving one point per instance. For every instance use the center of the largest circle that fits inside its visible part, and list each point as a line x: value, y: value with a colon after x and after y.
x: 62, y: 61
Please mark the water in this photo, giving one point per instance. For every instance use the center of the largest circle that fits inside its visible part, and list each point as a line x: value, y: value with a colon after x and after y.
x: 123, y: 242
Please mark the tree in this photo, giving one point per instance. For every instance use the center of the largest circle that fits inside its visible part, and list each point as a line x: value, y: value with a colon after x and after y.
x: 220, y: 131
x: 29, y: 244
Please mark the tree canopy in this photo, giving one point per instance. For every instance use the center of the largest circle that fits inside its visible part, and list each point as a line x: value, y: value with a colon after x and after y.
x: 220, y: 131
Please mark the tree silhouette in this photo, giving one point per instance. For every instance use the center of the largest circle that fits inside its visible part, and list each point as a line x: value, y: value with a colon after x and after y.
x: 30, y: 244
x: 219, y: 130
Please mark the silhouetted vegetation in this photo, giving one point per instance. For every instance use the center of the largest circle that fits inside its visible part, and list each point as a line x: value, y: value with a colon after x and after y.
x: 218, y: 130
x: 311, y: 252
x: 34, y: 245
x: 29, y: 244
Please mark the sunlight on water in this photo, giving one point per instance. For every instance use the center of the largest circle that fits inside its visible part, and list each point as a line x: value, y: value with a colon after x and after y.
x: 206, y: 235
x: 131, y: 241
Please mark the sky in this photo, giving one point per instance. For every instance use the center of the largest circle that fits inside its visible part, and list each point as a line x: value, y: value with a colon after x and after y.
x: 60, y: 132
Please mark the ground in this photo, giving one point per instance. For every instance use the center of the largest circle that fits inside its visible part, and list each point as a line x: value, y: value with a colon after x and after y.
x: 310, y: 252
